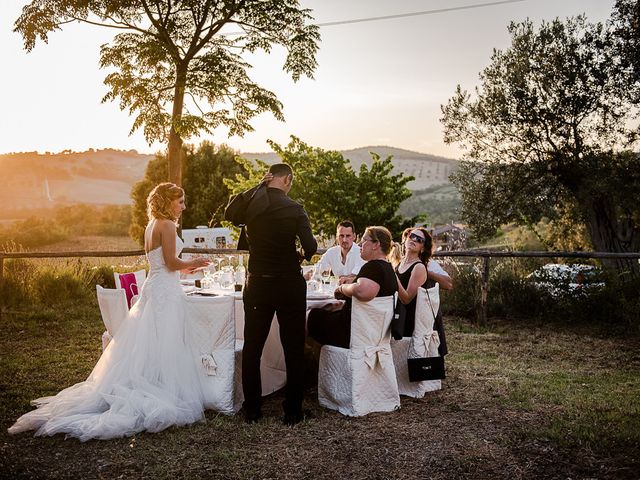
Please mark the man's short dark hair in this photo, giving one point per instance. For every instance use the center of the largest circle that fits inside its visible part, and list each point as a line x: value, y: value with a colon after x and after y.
x: 347, y: 224
x: 280, y: 170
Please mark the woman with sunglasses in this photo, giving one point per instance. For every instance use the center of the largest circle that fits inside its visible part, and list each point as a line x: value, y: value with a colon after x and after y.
x: 412, y: 271
x: 417, y: 269
x: 375, y: 279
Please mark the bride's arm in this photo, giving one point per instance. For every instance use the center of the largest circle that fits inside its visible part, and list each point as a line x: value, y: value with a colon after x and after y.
x: 168, y: 238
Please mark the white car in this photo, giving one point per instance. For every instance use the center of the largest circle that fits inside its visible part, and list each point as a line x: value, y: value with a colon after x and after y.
x: 560, y: 279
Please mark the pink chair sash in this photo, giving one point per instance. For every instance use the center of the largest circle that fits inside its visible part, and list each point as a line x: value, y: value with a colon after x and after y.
x: 130, y: 286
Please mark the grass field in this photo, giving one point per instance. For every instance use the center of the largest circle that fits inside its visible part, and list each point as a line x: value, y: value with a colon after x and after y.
x: 521, y: 401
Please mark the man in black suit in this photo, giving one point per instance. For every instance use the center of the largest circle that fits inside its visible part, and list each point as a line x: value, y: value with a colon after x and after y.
x: 275, y: 285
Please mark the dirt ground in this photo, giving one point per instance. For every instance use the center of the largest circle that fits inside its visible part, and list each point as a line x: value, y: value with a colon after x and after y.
x: 471, y: 429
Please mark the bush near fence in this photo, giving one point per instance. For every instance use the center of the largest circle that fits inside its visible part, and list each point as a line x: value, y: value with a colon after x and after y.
x: 511, y: 293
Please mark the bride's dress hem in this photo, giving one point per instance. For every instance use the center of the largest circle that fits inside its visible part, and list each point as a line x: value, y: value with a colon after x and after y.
x: 145, y: 380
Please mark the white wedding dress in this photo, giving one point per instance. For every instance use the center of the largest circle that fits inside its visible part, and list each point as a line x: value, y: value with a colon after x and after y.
x: 146, y: 379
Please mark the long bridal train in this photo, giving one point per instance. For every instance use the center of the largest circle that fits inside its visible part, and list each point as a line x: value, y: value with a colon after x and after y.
x: 145, y: 380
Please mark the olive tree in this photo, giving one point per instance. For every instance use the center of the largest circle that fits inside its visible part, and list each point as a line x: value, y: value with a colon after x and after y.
x: 547, y: 131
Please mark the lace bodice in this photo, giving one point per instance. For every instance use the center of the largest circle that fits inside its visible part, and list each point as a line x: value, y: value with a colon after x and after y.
x: 156, y: 259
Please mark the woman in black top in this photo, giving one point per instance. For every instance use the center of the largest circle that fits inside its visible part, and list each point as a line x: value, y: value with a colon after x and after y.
x: 412, y: 272
x: 376, y: 279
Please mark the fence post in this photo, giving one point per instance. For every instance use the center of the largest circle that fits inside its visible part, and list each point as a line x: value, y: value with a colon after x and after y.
x: 484, y: 290
x: 1, y: 284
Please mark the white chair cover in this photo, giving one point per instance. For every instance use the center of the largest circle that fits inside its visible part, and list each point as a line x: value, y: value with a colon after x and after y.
x: 361, y: 379
x: 113, y: 308
x: 211, y: 325
x: 424, y: 343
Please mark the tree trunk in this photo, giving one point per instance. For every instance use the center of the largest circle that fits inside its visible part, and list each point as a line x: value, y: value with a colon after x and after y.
x: 175, y: 139
x: 611, y: 232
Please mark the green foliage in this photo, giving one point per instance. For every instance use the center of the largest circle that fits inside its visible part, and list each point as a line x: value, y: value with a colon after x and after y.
x: 81, y: 219
x: 169, y: 51
x: 541, y: 135
x: 331, y: 191
x: 625, y: 22
x: 33, y: 232
x: 157, y: 172
x: 512, y: 294
x: 63, y: 222
x: 206, y: 167
x: 429, y: 204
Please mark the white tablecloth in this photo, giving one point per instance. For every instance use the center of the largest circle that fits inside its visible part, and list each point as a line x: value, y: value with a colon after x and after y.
x: 272, y: 366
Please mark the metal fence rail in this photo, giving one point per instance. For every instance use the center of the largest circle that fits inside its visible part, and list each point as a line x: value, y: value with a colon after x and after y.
x: 486, y: 256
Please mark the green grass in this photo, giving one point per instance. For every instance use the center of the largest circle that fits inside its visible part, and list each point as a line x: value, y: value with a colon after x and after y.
x: 519, y: 397
x: 586, y: 387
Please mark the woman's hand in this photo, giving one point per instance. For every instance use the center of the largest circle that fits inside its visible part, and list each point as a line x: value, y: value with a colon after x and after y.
x: 199, y: 262
x: 267, y: 177
x: 339, y: 294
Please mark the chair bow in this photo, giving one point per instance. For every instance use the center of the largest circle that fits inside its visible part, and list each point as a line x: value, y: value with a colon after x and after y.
x: 381, y: 353
x: 431, y: 342
x: 209, y: 364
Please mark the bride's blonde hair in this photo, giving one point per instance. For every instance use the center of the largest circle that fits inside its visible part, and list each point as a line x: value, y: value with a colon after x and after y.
x: 160, y: 198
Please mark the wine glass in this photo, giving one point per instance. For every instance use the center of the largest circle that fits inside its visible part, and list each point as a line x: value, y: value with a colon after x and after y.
x: 325, y: 273
x: 216, y: 263
x: 226, y: 279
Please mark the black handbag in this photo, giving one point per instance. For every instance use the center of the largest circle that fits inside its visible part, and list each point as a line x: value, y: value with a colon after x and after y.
x: 398, y: 320
x: 426, y: 368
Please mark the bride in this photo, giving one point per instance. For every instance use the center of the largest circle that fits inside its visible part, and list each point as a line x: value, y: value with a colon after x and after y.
x: 146, y: 379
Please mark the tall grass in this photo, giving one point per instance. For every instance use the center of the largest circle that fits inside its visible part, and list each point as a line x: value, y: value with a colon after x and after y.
x: 54, y: 282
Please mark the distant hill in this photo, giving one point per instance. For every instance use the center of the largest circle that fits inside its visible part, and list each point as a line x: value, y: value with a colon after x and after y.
x: 429, y: 170
x: 33, y: 181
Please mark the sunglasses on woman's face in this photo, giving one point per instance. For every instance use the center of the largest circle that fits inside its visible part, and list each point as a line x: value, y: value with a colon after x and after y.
x: 416, y: 238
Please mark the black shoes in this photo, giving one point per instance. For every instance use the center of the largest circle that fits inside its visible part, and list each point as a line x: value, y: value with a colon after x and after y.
x: 291, y: 419
x: 252, y: 416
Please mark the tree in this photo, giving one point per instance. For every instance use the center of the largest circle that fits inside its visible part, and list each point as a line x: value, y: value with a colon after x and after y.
x: 546, y: 134
x: 205, y: 167
x: 625, y: 22
x: 173, y: 57
x: 331, y: 191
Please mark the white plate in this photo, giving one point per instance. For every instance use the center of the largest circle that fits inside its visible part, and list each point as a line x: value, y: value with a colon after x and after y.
x: 318, y: 296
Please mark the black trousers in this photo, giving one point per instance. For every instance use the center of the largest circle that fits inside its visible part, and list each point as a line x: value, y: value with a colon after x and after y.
x: 286, y: 298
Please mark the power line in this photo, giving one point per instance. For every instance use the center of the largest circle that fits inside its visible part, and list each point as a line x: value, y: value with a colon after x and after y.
x: 415, y: 14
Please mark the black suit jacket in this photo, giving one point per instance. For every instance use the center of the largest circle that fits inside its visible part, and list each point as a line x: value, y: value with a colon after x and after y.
x: 273, y: 233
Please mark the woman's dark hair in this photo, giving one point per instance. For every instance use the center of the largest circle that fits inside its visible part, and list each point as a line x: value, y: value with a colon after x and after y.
x: 381, y: 235
x: 425, y: 255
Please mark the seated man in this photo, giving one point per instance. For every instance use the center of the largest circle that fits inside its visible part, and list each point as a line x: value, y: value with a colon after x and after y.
x: 343, y: 258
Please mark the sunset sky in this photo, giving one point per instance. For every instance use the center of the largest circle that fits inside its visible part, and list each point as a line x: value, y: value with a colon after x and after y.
x: 378, y: 83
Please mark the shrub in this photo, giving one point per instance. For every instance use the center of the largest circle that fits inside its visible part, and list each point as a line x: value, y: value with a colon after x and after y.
x: 33, y: 232
x: 63, y: 283
x: 615, y: 302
